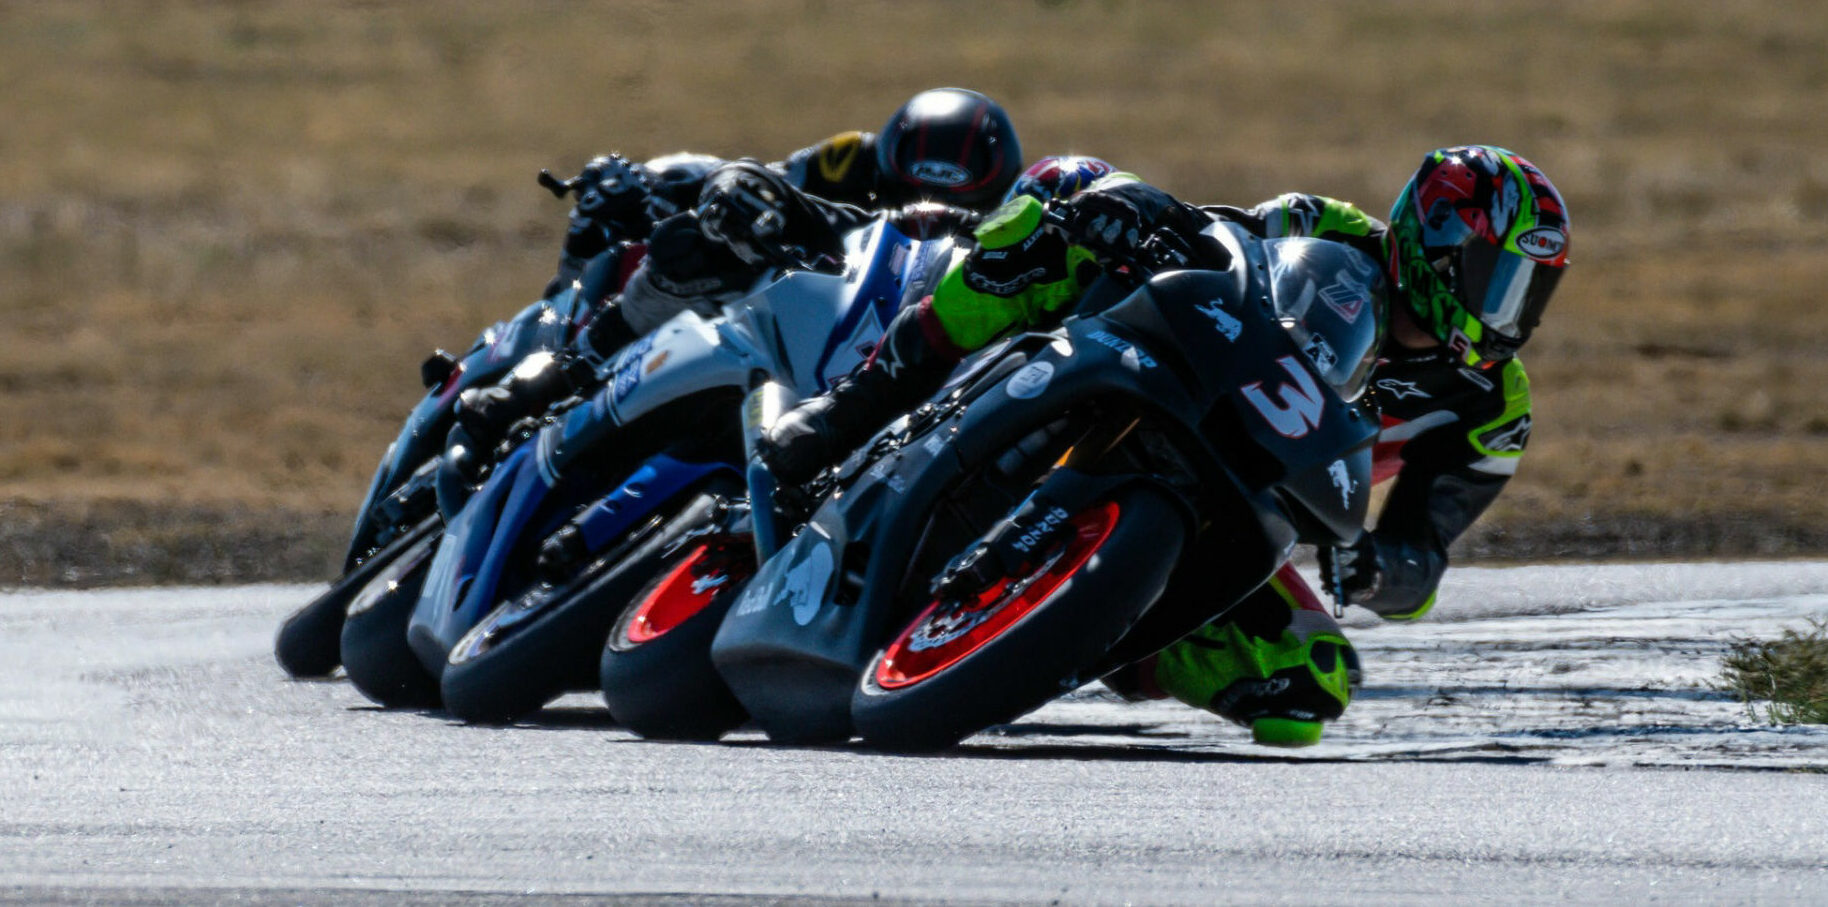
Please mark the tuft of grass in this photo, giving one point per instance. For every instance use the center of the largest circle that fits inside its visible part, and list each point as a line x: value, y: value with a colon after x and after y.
x: 1789, y: 675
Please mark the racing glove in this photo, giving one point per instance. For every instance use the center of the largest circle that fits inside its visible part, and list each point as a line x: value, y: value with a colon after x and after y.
x: 612, y: 205
x: 1123, y: 221
x: 746, y: 208
x: 488, y: 413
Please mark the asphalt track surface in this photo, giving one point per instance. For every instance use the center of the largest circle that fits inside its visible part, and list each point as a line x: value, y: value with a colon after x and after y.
x: 1550, y: 734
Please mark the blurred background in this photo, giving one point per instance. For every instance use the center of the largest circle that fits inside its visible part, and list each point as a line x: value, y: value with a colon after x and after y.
x: 229, y: 232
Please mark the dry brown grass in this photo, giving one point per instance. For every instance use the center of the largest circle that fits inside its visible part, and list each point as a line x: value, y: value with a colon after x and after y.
x: 228, y: 232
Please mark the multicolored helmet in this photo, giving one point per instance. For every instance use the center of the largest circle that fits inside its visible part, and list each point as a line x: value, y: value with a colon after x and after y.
x: 1479, y: 241
x: 1058, y: 177
x: 948, y: 145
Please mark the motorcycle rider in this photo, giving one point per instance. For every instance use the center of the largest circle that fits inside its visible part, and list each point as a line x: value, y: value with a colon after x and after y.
x: 943, y: 154
x: 1476, y: 244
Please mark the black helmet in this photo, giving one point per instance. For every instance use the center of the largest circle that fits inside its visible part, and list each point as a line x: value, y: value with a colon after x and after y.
x: 948, y: 145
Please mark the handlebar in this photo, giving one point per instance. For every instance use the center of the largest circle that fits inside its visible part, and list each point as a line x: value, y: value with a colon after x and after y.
x: 558, y: 187
x: 1153, y: 255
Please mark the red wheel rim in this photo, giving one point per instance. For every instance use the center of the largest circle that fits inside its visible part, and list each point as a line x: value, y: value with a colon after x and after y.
x: 937, y: 640
x: 684, y: 591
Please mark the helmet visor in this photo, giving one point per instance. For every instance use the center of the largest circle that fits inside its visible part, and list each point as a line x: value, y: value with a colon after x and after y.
x: 1505, y: 290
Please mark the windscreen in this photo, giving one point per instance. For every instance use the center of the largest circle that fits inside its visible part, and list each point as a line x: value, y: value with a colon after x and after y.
x: 1331, y: 299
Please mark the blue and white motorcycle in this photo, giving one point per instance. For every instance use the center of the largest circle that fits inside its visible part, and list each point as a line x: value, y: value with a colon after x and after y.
x: 520, y: 596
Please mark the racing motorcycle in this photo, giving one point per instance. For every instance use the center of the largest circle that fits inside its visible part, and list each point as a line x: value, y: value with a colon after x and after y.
x: 1093, y: 495
x: 400, y: 511
x: 522, y: 592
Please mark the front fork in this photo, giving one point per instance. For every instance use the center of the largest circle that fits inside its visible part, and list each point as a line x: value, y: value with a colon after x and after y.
x: 1022, y: 540
x: 766, y: 403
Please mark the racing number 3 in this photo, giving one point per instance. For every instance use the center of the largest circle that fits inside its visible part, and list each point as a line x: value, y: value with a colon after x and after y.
x: 1298, y: 411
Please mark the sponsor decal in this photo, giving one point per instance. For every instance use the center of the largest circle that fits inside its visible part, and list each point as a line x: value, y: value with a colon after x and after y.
x: 658, y: 360
x: 1026, y: 542
x: 1345, y: 297
x: 1296, y: 409
x: 934, y: 444
x: 1398, y: 389
x: 803, y: 588
x: 1031, y: 380
x: 706, y: 583
x: 940, y: 173
x: 1132, y: 356
x: 1221, y: 319
x: 1543, y: 243
x: 977, y: 281
x: 1319, y: 350
x: 1477, y: 378
x: 1342, y: 480
x: 628, y: 368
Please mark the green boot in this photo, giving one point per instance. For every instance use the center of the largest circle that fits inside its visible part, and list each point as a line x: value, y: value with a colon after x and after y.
x: 1283, y: 682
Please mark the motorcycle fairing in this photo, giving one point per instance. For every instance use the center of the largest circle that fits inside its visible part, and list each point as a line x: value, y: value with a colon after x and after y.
x: 544, y: 325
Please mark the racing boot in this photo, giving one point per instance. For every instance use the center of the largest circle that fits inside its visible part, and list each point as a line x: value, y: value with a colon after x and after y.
x: 1277, y: 663
x: 906, y: 368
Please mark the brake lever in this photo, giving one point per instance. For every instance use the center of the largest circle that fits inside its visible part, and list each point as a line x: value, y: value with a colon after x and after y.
x: 558, y: 187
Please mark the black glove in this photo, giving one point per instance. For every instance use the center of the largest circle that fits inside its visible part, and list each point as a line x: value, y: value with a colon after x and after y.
x: 745, y: 208
x: 1133, y: 223
x: 802, y: 442
x: 612, y: 204
x: 1352, y: 570
x: 488, y: 413
x: 683, y: 261
x: 1108, y: 224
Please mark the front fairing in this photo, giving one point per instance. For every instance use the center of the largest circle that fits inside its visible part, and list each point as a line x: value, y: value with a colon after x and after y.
x: 820, y: 327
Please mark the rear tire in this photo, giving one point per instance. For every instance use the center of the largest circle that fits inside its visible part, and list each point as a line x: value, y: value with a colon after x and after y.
x: 376, y: 656
x: 945, y: 676
x: 656, y: 672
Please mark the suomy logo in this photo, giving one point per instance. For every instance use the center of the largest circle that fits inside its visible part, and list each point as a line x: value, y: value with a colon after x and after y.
x: 942, y: 173
x: 1543, y: 243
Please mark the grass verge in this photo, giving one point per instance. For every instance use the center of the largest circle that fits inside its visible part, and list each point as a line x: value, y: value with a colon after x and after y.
x: 1784, y: 680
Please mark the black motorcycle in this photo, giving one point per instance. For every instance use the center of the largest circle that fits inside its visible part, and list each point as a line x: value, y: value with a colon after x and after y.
x: 400, y: 512
x: 1092, y: 496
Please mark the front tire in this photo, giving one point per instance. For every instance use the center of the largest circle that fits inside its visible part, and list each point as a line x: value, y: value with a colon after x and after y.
x: 953, y: 671
x: 308, y: 644
x: 380, y: 663
x: 656, y: 672
x: 512, y: 664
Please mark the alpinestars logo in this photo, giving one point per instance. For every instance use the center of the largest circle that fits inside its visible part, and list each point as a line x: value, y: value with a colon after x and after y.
x: 1510, y: 438
x: 1110, y: 229
x: 1398, y: 389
